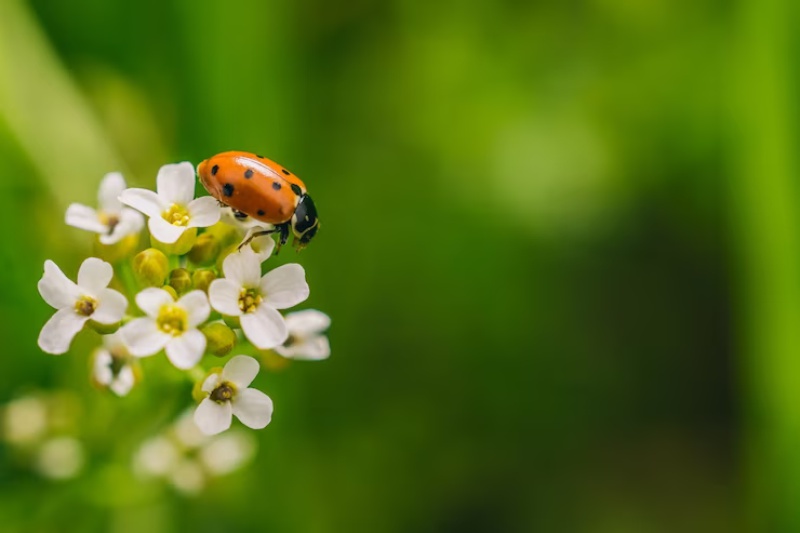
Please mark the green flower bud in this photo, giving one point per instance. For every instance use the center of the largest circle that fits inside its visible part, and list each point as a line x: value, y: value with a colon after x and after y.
x: 272, y: 361
x: 220, y: 339
x: 202, y: 279
x: 232, y: 321
x: 179, y: 247
x: 180, y: 280
x: 225, y: 233
x: 172, y: 291
x: 150, y: 268
x: 114, y: 253
x: 104, y: 329
x: 225, y: 253
x: 205, y: 250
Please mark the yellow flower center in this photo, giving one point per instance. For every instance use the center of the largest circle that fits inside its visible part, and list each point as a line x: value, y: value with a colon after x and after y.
x: 172, y: 319
x: 249, y: 299
x: 177, y: 215
x: 108, y: 220
x: 85, y: 305
x: 223, y: 393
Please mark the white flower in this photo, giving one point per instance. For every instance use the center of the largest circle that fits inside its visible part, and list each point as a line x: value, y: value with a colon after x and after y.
x: 25, y: 420
x: 244, y: 293
x: 306, y: 338
x: 173, y: 210
x: 60, y: 458
x: 169, y: 325
x: 112, y: 221
x: 77, y: 303
x: 112, y: 367
x: 228, y: 395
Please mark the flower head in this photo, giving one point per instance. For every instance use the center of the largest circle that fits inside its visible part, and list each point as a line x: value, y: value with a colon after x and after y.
x: 244, y: 293
x: 228, y: 395
x: 172, y: 210
x: 307, y: 339
x: 169, y: 325
x: 77, y: 303
x: 112, y: 365
x: 111, y: 221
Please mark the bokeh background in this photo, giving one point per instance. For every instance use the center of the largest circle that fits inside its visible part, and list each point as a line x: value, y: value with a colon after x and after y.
x: 559, y: 246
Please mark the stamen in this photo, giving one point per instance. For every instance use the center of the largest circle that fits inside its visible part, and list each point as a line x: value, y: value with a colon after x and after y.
x: 177, y: 215
x: 85, y: 305
x: 108, y: 220
x: 172, y: 320
x: 249, y: 300
x: 223, y: 393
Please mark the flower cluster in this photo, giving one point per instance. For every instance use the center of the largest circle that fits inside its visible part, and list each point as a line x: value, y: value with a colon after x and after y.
x: 193, y: 294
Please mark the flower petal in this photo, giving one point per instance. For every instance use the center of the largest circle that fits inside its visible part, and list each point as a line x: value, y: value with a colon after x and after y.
x: 313, y: 348
x: 241, y: 371
x: 145, y: 201
x: 224, y: 296
x: 56, y: 289
x: 263, y: 247
x: 58, y: 332
x: 243, y: 268
x: 130, y: 222
x: 196, y: 304
x: 253, y: 408
x: 186, y: 350
x: 84, y: 217
x: 163, y: 231
x: 102, y: 367
x: 212, y: 418
x: 124, y: 382
x: 265, y: 328
x: 151, y: 300
x: 211, y: 382
x: 307, y: 321
x: 175, y: 183
x: 110, y: 188
x: 284, y: 286
x: 203, y: 212
x: 111, y: 307
x: 94, y: 275
x: 143, y: 337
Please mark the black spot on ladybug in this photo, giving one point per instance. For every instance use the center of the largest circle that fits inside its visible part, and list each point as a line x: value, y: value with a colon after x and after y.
x: 285, y: 171
x: 214, y: 170
x: 296, y: 189
x: 261, y: 212
x: 260, y: 156
x: 227, y: 190
x: 276, y: 185
x: 248, y: 173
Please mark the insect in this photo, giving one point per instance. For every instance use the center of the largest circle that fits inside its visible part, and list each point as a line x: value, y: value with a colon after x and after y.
x: 255, y: 186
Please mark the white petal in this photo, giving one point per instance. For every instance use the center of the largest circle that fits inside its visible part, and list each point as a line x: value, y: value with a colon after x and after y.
x: 313, y: 348
x: 102, y: 367
x: 284, y: 286
x: 110, y: 188
x: 212, y: 418
x: 143, y: 337
x: 175, y: 183
x: 56, y: 289
x: 124, y: 382
x: 58, y: 332
x: 263, y: 247
x: 265, y: 328
x: 211, y: 382
x: 243, y: 268
x: 145, y: 201
x: 241, y: 371
x: 94, y: 275
x: 253, y: 408
x: 84, y: 217
x: 163, y: 231
x: 111, y: 307
x: 224, y: 296
x: 203, y: 212
x: 196, y: 304
x: 130, y: 222
x: 186, y: 350
x: 151, y: 300
x: 307, y: 321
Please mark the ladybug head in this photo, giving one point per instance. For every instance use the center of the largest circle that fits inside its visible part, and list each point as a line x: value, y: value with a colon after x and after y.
x: 304, y: 221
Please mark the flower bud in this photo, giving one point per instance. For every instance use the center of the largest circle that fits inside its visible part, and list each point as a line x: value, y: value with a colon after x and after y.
x: 225, y: 233
x: 150, y: 268
x: 202, y: 279
x: 220, y: 339
x: 114, y: 253
x: 205, y: 250
x: 180, y: 280
x: 179, y: 247
x: 225, y: 253
x: 232, y: 321
x: 272, y: 361
x: 104, y: 329
x: 171, y: 291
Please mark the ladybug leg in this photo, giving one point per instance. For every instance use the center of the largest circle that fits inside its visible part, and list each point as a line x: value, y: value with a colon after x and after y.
x: 254, y: 232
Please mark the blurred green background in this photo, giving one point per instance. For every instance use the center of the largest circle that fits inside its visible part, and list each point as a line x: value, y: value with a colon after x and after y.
x: 558, y: 245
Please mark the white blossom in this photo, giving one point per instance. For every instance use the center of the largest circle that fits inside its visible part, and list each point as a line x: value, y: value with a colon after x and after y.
x: 78, y: 303
x: 111, y: 221
x: 173, y: 209
x: 307, y: 340
x: 112, y: 365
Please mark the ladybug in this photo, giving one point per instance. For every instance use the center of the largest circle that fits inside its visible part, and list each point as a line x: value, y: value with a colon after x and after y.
x: 254, y: 186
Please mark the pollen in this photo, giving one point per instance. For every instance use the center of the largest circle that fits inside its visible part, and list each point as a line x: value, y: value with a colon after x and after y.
x: 177, y: 215
x: 108, y: 220
x: 85, y: 306
x: 172, y: 320
x: 249, y: 300
x: 223, y: 393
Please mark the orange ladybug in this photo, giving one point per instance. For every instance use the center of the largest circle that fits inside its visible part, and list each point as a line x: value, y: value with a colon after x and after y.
x: 254, y: 186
